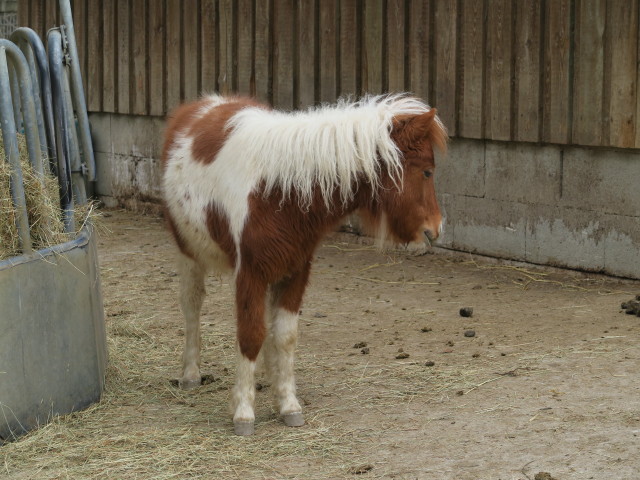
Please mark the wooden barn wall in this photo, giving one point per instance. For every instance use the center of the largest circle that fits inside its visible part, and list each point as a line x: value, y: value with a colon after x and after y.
x: 552, y: 71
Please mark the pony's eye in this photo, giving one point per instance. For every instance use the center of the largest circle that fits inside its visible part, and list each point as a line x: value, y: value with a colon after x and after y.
x: 427, y: 174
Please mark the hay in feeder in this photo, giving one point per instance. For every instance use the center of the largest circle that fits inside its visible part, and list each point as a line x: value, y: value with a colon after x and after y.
x: 43, y: 206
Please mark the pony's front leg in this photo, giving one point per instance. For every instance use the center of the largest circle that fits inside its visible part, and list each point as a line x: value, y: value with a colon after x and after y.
x: 250, y: 303
x: 281, y: 344
x: 191, y: 297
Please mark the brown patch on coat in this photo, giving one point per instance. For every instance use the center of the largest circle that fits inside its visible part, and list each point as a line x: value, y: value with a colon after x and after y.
x: 289, y: 291
x: 218, y: 227
x: 279, y: 237
x: 250, y: 311
x: 178, y: 121
x: 175, y: 233
x: 276, y: 247
x: 209, y: 131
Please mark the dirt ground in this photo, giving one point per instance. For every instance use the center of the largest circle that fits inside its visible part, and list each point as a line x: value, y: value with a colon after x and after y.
x: 543, y: 377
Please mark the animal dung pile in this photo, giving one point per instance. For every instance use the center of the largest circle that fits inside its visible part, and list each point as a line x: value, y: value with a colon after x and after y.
x: 632, y: 307
x: 43, y: 206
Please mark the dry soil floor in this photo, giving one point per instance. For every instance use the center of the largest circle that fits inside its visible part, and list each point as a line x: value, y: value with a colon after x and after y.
x: 543, y: 377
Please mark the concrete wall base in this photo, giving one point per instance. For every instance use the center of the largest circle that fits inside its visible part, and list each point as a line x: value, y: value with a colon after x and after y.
x: 564, y: 206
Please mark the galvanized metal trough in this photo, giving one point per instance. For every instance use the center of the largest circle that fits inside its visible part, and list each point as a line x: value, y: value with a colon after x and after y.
x: 52, y: 343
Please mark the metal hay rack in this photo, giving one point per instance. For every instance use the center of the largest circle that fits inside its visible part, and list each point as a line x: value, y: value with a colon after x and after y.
x: 52, y: 336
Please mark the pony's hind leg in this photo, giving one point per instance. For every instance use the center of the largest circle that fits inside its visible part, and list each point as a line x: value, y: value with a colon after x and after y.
x: 244, y: 395
x: 191, y: 297
x: 281, y: 344
x: 250, y: 304
x: 279, y: 352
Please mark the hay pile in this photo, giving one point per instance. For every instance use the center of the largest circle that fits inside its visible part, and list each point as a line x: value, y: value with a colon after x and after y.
x: 43, y: 206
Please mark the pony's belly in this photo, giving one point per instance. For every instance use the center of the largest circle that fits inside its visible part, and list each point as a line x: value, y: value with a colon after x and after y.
x: 199, y: 244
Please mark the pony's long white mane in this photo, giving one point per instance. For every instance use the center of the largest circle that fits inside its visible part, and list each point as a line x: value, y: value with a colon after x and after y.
x: 331, y: 147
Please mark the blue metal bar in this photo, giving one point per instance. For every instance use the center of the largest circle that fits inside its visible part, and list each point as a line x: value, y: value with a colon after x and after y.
x: 77, y: 91
x: 17, y: 114
x: 9, y: 137
x: 24, y: 37
x: 36, y: 75
x: 19, y: 65
x: 56, y: 55
x: 35, y: 80
x: 77, y: 172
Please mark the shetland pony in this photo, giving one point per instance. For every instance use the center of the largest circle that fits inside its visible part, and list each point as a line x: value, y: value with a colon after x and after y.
x: 252, y: 191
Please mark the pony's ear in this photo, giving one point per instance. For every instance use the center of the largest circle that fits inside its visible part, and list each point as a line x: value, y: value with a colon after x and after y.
x: 414, y: 129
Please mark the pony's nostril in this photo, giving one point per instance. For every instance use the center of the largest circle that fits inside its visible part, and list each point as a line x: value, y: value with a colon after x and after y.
x: 430, y: 234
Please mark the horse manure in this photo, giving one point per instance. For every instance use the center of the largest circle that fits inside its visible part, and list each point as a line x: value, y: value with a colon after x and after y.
x: 360, y: 345
x: 365, y: 351
x: 466, y: 312
x: 402, y: 355
x: 359, y: 470
x: 632, y: 307
x: 470, y: 333
x: 543, y: 476
x: 429, y: 364
x: 207, y: 379
x: 426, y: 329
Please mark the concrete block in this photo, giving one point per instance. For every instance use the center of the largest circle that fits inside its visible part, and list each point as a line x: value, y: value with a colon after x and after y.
x: 565, y: 237
x: 461, y: 171
x: 486, y: 226
x: 622, y: 246
x: 137, y: 136
x: 601, y: 180
x: 523, y: 173
x: 446, y: 237
x: 136, y: 177
x: 148, y: 175
x: 104, y: 174
x: 100, y: 124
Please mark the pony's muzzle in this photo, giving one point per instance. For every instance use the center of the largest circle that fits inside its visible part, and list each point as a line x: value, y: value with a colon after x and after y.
x: 432, y: 234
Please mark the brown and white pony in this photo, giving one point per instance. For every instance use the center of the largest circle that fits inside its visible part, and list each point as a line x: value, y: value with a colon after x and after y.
x: 252, y: 191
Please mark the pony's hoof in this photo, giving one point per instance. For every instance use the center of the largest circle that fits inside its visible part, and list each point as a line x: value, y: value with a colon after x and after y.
x: 189, y: 384
x: 293, y: 419
x: 243, y: 428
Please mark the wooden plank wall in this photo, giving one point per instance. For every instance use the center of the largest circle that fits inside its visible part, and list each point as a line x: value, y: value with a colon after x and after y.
x: 550, y: 71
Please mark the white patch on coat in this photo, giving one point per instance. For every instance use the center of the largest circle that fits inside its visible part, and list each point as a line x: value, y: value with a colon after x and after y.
x: 280, y: 346
x: 244, y: 391
x: 191, y: 187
